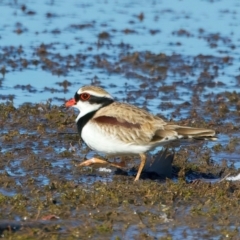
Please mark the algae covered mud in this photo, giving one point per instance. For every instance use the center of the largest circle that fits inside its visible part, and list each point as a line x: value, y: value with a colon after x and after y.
x: 179, y: 60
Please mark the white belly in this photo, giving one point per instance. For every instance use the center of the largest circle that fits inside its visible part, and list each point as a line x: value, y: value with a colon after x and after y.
x: 102, y: 142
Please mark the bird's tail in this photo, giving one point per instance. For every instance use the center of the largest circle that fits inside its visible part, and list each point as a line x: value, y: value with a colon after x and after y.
x: 194, y: 133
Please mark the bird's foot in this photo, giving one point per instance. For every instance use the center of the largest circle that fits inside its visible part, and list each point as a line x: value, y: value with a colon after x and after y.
x: 97, y: 161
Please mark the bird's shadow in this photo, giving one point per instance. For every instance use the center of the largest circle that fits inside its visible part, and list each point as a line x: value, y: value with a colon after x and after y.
x: 160, y: 167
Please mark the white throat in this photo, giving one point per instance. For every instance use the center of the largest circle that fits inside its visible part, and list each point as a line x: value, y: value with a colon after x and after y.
x: 85, y: 108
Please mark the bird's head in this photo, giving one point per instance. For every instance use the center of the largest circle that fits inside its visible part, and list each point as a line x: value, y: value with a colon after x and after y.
x: 89, y: 99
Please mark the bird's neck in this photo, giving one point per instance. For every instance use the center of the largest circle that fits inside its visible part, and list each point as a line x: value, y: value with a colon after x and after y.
x: 84, y: 119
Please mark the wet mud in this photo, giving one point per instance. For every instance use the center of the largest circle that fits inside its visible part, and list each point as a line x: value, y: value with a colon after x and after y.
x: 44, y: 193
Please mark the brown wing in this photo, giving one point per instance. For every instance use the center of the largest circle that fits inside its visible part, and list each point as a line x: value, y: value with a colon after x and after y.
x: 131, y: 124
x: 128, y: 123
x: 116, y: 122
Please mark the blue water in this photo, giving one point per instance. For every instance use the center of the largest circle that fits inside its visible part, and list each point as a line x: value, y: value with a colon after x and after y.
x: 164, y: 17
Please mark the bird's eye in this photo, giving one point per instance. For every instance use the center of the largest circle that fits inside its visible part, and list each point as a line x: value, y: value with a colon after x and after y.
x: 85, y: 96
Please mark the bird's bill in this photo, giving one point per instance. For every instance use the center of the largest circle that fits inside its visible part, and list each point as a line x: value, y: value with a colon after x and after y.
x: 70, y: 102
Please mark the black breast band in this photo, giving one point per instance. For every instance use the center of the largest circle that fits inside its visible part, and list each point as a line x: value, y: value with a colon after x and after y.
x: 84, y: 119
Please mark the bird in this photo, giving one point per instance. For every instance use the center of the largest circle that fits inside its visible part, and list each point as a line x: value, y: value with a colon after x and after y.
x: 116, y: 128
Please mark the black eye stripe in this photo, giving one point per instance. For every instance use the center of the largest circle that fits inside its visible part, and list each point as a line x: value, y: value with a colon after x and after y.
x: 77, y: 97
x: 81, y: 97
x: 104, y: 101
x: 100, y: 100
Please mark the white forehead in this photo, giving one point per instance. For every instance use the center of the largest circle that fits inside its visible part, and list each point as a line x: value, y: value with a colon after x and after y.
x: 98, y: 92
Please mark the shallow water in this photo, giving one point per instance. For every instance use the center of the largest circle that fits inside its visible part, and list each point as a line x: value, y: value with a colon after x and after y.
x: 185, y: 27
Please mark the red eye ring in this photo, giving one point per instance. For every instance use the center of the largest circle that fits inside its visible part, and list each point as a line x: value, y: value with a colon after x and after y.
x: 85, y: 96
